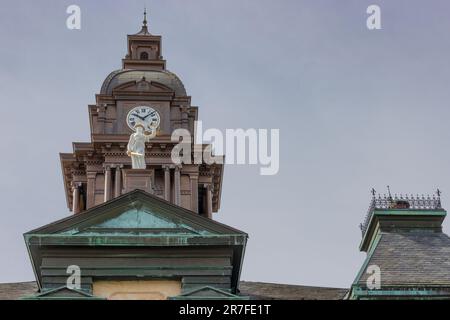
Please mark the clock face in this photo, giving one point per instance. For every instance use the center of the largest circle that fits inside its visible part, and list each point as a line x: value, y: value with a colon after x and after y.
x: 144, y: 115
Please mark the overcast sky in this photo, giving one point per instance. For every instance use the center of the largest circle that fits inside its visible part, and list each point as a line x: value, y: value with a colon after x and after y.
x: 356, y: 109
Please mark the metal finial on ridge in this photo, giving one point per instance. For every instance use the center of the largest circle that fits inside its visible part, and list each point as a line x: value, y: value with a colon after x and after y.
x: 412, y: 202
x: 389, y: 192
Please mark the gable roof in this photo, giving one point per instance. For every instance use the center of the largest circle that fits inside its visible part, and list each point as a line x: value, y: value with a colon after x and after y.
x: 135, y: 219
x: 136, y: 210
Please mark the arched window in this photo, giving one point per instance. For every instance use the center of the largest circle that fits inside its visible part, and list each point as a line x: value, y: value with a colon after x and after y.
x: 144, y: 56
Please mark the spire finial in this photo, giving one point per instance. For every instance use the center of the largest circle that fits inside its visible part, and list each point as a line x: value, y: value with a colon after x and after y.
x: 145, y: 17
x: 144, y: 29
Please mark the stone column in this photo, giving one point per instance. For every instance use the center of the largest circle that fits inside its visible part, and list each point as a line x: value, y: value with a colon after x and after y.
x: 209, y: 201
x: 118, y: 181
x: 177, y: 187
x: 76, y: 198
x: 107, y: 183
x: 166, y: 182
x: 90, y: 201
x: 184, y: 117
x: 194, y: 191
x: 101, y: 110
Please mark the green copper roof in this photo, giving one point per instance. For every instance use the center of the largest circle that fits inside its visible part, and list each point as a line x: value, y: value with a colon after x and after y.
x: 136, y: 219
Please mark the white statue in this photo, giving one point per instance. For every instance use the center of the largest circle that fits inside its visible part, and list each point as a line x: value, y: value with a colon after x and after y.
x: 136, y: 146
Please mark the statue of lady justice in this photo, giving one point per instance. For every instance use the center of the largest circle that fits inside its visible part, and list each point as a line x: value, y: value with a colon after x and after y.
x: 136, y: 145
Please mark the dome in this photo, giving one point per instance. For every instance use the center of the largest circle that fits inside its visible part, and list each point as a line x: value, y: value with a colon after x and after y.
x: 167, y: 78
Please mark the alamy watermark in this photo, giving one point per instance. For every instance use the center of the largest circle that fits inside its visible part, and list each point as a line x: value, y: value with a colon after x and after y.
x: 374, y: 279
x: 74, y: 280
x: 373, y: 22
x: 236, y: 146
x: 73, y: 21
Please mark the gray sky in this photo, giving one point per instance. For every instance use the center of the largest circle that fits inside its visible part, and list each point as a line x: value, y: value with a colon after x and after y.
x: 356, y: 109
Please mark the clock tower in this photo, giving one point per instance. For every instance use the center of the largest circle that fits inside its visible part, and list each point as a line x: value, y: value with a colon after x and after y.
x: 142, y: 91
x: 142, y: 224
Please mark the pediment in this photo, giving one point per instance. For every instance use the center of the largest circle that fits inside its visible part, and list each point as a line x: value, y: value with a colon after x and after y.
x: 142, y: 86
x: 136, y: 220
x: 137, y: 214
x: 208, y: 292
x: 61, y: 293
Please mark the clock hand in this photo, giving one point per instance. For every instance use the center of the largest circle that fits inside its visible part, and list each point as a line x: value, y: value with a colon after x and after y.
x: 147, y: 116
x: 134, y: 114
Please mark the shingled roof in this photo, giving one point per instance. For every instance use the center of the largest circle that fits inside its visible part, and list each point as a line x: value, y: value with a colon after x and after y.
x: 255, y: 290
x: 408, y: 255
x: 414, y: 258
x: 275, y: 291
x: 15, y: 291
